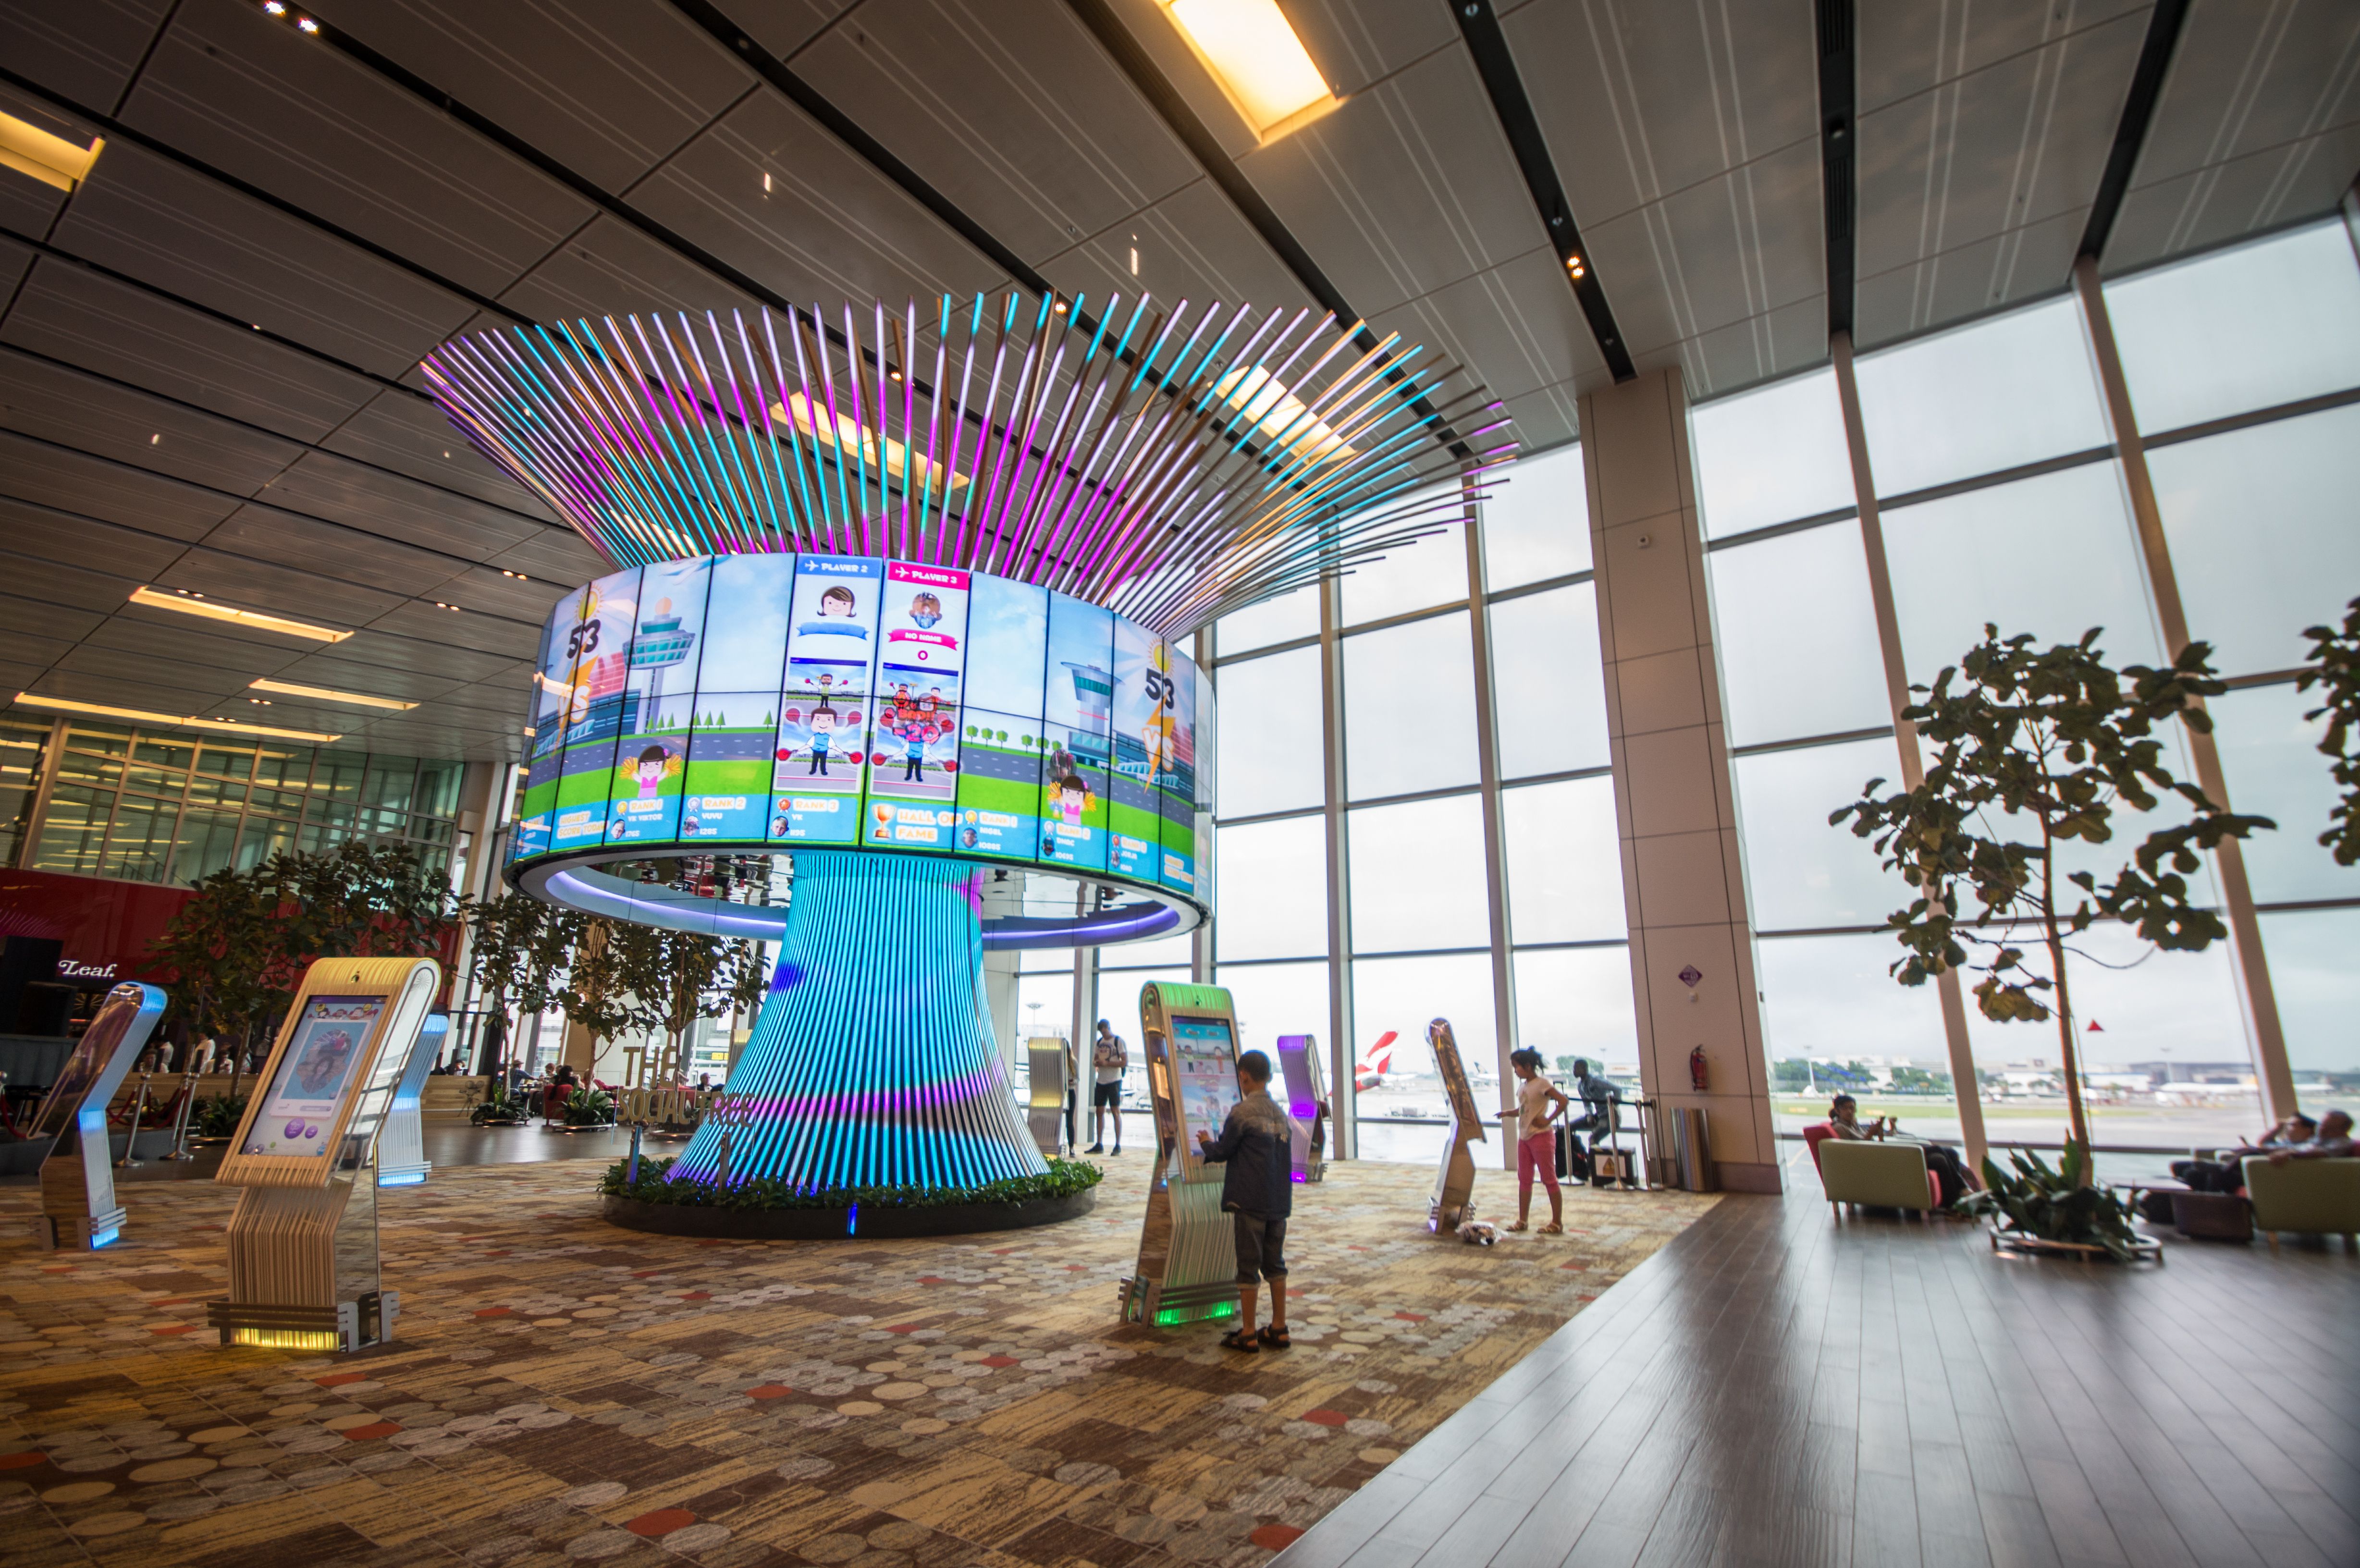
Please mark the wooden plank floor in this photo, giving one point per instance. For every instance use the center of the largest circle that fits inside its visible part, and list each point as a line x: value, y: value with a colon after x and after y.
x: 1772, y: 1390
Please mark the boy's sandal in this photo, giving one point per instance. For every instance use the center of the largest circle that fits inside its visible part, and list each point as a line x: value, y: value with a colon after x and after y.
x: 1241, y: 1340
x: 1519, y: 1225
x: 1275, y: 1338
x: 1552, y: 1228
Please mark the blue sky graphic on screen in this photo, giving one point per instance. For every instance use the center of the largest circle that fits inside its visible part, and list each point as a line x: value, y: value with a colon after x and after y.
x: 828, y: 700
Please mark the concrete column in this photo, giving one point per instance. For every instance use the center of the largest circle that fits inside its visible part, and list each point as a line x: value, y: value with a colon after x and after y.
x: 1692, y: 973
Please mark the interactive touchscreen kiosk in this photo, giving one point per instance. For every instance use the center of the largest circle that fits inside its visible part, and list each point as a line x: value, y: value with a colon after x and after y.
x: 402, y: 1149
x: 78, y: 1207
x: 1454, y: 1184
x: 1187, y: 1261
x: 303, y: 1244
x: 1052, y: 1062
x: 1307, y: 1102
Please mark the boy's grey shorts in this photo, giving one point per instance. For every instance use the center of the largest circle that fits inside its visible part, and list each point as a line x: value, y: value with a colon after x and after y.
x: 1262, y: 1248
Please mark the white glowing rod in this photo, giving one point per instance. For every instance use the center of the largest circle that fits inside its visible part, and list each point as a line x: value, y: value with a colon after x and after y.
x: 1172, y: 465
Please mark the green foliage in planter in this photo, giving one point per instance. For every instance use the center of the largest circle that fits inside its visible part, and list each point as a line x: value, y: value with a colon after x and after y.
x: 1063, y: 1178
x: 589, y: 1107
x: 218, y: 1117
x: 499, y: 1105
x: 2053, y: 1205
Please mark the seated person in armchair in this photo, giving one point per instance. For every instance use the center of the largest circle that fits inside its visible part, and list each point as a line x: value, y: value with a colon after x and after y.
x: 2226, y: 1173
x: 1950, y: 1172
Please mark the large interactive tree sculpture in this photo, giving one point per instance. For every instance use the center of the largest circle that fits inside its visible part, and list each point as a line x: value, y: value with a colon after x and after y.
x: 2037, y: 750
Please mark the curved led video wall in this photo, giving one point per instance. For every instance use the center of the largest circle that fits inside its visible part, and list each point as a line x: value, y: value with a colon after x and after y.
x: 806, y: 701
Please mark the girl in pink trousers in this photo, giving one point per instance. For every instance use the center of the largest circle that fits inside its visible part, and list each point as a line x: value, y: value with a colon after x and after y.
x: 1538, y: 1105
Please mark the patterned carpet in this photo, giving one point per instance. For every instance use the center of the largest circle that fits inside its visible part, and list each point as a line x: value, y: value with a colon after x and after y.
x: 560, y: 1390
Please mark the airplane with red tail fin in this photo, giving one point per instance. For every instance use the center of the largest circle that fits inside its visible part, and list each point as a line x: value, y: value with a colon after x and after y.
x: 1371, y: 1069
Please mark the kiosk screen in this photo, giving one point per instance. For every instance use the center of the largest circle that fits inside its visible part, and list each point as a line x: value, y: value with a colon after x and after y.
x: 83, y: 1068
x: 1206, y: 1062
x: 299, y: 1111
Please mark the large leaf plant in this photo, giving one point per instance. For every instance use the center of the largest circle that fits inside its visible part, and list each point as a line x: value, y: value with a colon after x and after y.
x: 2035, y: 753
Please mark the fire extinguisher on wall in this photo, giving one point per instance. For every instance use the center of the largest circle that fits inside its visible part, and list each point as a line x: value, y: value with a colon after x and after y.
x: 1696, y: 1072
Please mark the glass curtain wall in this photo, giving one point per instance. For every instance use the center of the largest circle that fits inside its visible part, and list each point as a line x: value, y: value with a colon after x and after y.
x: 161, y: 806
x: 2002, y: 499
x: 1418, y: 917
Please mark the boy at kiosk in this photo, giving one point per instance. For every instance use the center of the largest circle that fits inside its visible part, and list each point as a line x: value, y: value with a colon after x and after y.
x: 1257, y: 1190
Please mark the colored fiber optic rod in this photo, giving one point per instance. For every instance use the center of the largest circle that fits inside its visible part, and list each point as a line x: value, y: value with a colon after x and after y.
x: 1171, y: 465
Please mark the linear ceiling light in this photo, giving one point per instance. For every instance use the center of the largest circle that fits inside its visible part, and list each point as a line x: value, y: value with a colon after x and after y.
x: 1251, y: 49
x: 854, y: 442
x: 196, y: 605
x: 141, y: 715
x: 1279, y: 414
x: 357, y: 699
x: 52, y: 161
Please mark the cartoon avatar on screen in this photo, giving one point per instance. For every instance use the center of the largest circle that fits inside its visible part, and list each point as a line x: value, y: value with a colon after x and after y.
x: 653, y: 765
x: 1072, y: 799
x: 925, y: 609
x: 836, y: 605
x: 322, y: 1065
x: 823, y: 726
x: 914, y: 735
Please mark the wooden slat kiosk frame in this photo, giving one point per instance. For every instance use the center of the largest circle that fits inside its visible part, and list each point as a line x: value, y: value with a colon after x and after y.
x: 1052, y: 1064
x: 1454, y: 1184
x: 302, y: 1244
x: 78, y: 1208
x: 1187, y: 1256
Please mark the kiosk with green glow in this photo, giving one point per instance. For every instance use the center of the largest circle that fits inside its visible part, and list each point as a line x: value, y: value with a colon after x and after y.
x: 1188, y: 1259
x: 302, y: 1242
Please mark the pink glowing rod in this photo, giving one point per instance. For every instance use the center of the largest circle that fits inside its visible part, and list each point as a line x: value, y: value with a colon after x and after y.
x: 1173, y: 464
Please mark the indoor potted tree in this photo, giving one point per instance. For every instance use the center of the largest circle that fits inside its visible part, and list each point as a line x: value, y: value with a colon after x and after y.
x: 2034, y: 749
x: 2333, y: 667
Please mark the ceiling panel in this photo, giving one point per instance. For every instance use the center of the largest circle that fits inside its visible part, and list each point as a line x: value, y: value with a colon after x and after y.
x: 829, y: 229
x: 1966, y: 182
x: 1356, y: 42
x: 1547, y: 417
x: 132, y: 630
x: 257, y: 99
x: 16, y: 260
x: 554, y: 555
x: 1405, y: 189
x: 72, y: 408
x: 609, y: 88
x: 16, y: 676
x: 481, y: 634
x: 1755, y: 349
x: 75, y: 540
x: 1013, y: 113
x: 278, y: 588
x: 203, y: 682
x: 129, y: 334
x: 1192, y: 245
x: 44, y: 618
x: 169, y: 225
x: 27, y: 205
x: 153, y: 694
x: 75, y: 482
x: 77, y: 587
x: 1518, y: 321
x: 1687, y: 142
x: 2258, y: 125
x: 613, y: 268
x: 83, y: 49
x: 349, y: 555
x: 410, y: 435
x: 397, y: 507
x: 376, y: 647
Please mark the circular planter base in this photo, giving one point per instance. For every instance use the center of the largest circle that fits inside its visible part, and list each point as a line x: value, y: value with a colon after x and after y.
x: 840, y: 1225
